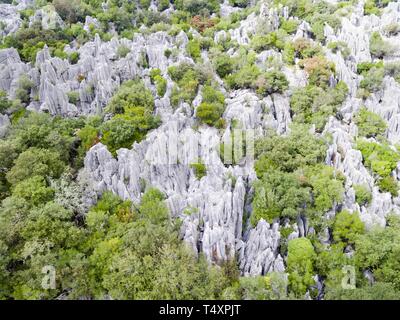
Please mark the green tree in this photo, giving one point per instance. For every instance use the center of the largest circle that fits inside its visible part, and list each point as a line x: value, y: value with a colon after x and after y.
x: 300, y: 265
x: 347, y: 226
x: 370, y: 124
x: 35, y: 162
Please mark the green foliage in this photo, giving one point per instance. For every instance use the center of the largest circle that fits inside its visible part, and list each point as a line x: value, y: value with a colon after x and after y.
x: 129, y: 95
x: 4, y: 102
x: 28, y: 41
x: 24, y: 89
x: 329, y: 264
x: 200, y: 169
x: 270, y: 40
x: 393, y: 69
x: 300, y: 265
x: 378, y: 251
x: 35, y: 162
x: 188, y: 78
x: 379, y: 47
x: 73, y: 57
x: 279, y: 194
x: 313, y: 105
x: 370, y: 125
x: 392, y: 29
x: 239, y: 3
x: 133, y: 107
x: 290, y: 25
x: 363, y: 194
x: 389, y: 184
x: 373, y: 79
x: 364, y: 67
x: 347, y: 226
x: 381, y: 158
x: 196, y: 7
x: 73, y: 97
x: 304, y: 48
x: 71, y: 11
x: 33, y: 190
x: 243, y: 78
x: 377, y: 291
x: 293, y: 180
x: 123, y: 51
x: 340, y: 46
x: 319, y: 70
x: 327, y: 186
x: 159, y: 81
x: 288, y: 153
x: 273, y: 286
x: 272, y: 82
x: 212, y: 106
x: 193, y: 48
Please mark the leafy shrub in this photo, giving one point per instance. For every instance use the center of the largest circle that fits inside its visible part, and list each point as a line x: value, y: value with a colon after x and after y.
x: 392, y: 29
x: 313, y: 105
x: 347, y: 227
x: 364, y: 67
x: 304, y: 48
x: 393, y: 69
x: 212, y: 106
x: 239, y: 3
x: 264, y: 42
x: 196, y: 7
x: 389, y: 184
x: 293, y: 179
x: 300, y: 265
x: 279, y: 194
x: 188, y: 78
x: 4, y: 102
x: 379, y: 157
x: 319, y: 70
x: 124, y: 129
x: 24, y: 89
x: 224, y: 65
x: 159, y: 81
x: 370, y: 125
x: 35, y: 162
x: 73, y: 97
x: 288, y: 153
x: 71, y: 11
x: 34, y: 190
x: 123, y: 51
x: 200, y: 169
x: 271, y: 82
x: 378, y: 47
x: 133, y: 107
x: 340, y: 46
x: 163, y: 5
x: 290, y: 25
x: 373, y: 79
x: 377, y: 251
x: 131, y: 94
x: 73, y: 57
x: 193, y: 48
x: 363, y: 194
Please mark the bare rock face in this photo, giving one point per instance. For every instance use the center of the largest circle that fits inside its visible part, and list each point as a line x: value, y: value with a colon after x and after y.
x: 259, y: 252
x: 4, y: 123
x: 10, y: 19
x: 47, y: 17
x: 211, y: 208
x: 11, y: 69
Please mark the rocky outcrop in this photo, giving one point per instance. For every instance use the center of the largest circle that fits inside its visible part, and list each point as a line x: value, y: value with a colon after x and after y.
x: 258, y: 254
x: 10, y: 19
